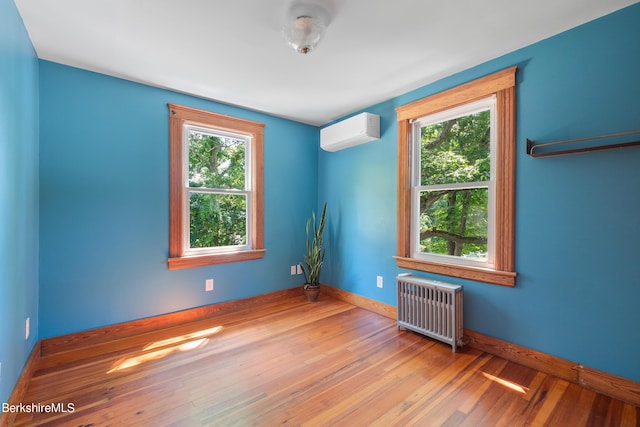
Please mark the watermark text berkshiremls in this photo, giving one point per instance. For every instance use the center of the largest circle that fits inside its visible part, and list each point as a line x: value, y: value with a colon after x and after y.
x: 47, y: 408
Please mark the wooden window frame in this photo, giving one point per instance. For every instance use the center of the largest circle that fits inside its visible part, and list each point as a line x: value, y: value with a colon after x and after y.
x: 502, y: 85
x: 179, y: 116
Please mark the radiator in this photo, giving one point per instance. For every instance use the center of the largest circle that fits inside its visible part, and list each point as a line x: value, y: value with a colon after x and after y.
x: 431, y: 308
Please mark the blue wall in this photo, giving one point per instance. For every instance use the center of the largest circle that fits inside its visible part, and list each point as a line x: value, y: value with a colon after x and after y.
x: 104, y: 203
x: 577, y: 217
x: 18, y: 195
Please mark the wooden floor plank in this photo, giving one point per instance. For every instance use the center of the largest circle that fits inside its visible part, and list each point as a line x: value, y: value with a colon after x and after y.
x: 291, y: 362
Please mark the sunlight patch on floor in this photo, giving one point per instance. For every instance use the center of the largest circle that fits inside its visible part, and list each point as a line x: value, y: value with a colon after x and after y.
x: 186, y: 342
x: 182, y: 338
x: 508, y: 384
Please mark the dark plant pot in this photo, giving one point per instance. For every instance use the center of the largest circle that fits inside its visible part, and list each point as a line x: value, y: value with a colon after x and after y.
x: 311, y: 293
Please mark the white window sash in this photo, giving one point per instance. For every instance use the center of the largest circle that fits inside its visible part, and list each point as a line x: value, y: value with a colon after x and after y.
x: 247, y: 191
x: 488, y: 103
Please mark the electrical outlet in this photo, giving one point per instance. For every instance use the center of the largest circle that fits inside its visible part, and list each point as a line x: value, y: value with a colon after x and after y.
x: 293, y: 270
x: 379, y: 282
x: 27, y: 328
x: 208, y: 285
x: 298, y: 269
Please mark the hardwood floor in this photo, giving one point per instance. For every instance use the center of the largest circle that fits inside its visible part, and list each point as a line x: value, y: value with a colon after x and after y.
x: 292, y: 362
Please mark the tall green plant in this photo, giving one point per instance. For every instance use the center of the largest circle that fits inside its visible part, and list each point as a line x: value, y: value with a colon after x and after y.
x: 314, y: 257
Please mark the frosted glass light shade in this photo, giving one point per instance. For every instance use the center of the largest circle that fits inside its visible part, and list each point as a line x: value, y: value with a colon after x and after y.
x: 304, y: 33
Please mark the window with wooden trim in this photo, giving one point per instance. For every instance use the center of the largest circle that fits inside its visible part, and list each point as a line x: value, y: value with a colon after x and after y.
x: 216, y: 187
x: 456, y: 181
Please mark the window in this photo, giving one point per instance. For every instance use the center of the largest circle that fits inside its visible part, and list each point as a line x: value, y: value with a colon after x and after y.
x: 456, y: 180
x: 216, y: 188
x: 452, y: 186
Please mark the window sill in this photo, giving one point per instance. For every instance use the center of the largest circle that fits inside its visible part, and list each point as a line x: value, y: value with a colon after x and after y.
x: 177, y: 263
x: 503, y: 278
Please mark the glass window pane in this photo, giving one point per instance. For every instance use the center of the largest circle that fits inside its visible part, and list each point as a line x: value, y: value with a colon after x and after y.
x: 216, y: 161
x: 454, y: 222
x: 456, y: 150
x: 217, y: 220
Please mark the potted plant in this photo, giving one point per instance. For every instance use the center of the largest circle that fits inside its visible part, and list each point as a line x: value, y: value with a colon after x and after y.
x: 314, y: 257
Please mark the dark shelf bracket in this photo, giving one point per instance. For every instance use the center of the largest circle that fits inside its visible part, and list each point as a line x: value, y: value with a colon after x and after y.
x: 532, y: 146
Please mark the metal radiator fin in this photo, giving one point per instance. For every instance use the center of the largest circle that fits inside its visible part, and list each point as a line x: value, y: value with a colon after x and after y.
x: 431, y: 308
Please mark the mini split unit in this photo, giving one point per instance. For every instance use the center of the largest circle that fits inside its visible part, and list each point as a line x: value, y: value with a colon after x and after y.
x: 355, y: 130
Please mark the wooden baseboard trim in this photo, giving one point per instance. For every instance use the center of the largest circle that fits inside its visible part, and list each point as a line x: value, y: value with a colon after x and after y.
x: 543, y: 362
x: 77, y: 340
x: 599, y: 381
x: 19, y: 390
x: 611, y: 385
x: 360, y: 301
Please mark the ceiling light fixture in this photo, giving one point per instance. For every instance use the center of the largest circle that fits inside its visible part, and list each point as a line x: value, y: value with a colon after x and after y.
x: 305, y: 26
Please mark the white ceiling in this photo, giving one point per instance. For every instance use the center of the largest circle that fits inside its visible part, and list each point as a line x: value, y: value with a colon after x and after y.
x: 232, y: 51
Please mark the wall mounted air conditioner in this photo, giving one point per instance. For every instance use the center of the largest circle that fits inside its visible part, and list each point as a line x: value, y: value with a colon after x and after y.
x: 355, y: 130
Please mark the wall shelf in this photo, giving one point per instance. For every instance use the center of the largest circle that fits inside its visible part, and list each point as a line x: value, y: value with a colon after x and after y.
x: 532, y: 146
